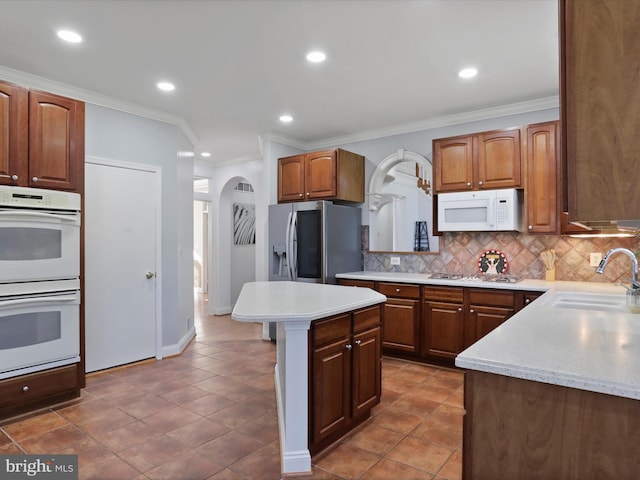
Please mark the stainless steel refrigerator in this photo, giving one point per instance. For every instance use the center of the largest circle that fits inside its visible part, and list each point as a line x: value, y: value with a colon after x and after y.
x: 312, y: 241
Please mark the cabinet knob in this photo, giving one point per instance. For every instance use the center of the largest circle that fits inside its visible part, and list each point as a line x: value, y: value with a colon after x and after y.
x: 480, y: 182
x: 25, y: 388
x: 530, y: 227
x: 300, y: 195
x: 12, y: 177
x: 459, y: 309
x: 472, y: 311
x: 307, y: 194
x: 34, y: 179
x: 348, y: 347
x: 527, y: 300
x: 468, y: 184
x: 397, y: 290
x: 358, y: 342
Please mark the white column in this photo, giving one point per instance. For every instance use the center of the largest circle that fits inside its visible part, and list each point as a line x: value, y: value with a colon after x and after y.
x: 292, y: 391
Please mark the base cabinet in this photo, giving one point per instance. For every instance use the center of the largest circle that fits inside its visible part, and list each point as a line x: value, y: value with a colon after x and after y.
x: 345, y: 372
x: 523, y: 429
x: 401, y: 317
x: 35, y: 390
x: 443, y: 318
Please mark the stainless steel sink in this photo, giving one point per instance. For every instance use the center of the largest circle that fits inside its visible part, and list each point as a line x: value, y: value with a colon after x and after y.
x: 602, y: 302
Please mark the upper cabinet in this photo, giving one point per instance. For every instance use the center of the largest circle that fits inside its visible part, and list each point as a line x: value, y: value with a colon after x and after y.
x: 42, y: 139
x: 325, y: 175
x: 600, y: 105
x: 541, y: 185
x: 486, y: 160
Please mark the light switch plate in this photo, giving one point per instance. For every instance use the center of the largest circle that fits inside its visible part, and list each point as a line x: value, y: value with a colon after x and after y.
x: 595, y: 258
x: 395, y: 260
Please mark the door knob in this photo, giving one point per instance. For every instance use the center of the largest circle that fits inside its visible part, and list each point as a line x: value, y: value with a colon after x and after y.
x: 150, y: 275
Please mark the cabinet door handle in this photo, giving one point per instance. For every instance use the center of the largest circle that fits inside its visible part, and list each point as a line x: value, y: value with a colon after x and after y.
x: 528, y: 300
x: 300, y: 195
x: 25, y: 388
x: 349, y: 347
x: 397, y: 290
x: 472, y: 311
x: 358, y: 342
x: 459, y: 309
x: 307, y: 194
x: 530, y: 227
x: 34, y: 179
x: 468, y: 184
x: 480, y: 183
x: 12, y: 177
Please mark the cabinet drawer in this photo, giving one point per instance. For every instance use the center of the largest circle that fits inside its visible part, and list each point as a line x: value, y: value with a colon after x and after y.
x: 35, y: 386
x: 444, y: 294
x: 399, y: 290
x: 366, y: 318
x: 331, y: 329
x: 496, y: 298
x: 355, y: 283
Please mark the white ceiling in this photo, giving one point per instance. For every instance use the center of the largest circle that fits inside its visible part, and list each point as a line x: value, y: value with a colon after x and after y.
x: 237, y: 65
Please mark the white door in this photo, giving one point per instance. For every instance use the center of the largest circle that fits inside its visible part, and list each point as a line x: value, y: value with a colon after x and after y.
x: 121, y: 211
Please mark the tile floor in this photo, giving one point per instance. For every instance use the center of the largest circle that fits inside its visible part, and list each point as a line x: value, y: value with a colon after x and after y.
x: 210, y: 413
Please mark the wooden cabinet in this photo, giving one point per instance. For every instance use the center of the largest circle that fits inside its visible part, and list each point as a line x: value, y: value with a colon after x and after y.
x: 324, y: 175
x: 356, y: 283
x: 486, y: 310
x: 486, y: 160
x: 36, y: 390
x: 43, y: 141
x: 543, y: 206
x: 345, y: 373
x: 600, y: 108
x: 401, y: 317
x: 443, y: 318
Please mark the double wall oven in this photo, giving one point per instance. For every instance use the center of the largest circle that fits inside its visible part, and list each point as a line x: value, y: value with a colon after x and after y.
x: 39, y: 279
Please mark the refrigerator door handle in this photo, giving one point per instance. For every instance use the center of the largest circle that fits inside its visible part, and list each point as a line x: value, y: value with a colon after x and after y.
x: 291, y: 250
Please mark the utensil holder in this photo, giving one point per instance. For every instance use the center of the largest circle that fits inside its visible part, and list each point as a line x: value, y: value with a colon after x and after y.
x: 550, y: 275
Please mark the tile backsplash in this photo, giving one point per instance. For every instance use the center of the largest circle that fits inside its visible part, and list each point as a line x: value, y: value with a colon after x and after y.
x: 459, y: 253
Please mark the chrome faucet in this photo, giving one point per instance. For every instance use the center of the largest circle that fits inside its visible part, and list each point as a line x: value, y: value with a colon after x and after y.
x: 634, y: 264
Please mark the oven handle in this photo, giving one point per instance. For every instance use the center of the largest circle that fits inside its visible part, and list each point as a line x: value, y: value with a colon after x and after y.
x: 30, y: 213
x: 31, y: 300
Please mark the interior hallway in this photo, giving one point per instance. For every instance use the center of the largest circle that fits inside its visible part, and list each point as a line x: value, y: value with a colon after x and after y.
x: 210, y: 413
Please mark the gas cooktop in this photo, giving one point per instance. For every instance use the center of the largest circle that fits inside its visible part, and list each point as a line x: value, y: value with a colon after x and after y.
x: 476, y: 278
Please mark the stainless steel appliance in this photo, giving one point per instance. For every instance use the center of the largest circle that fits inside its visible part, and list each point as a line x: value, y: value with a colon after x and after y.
x: 481, y: 211
x: 39, y: 279
x: 312, y: 241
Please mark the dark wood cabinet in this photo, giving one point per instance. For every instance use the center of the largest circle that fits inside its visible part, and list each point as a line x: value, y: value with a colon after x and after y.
x: 542, y: 203
x: 345, y: 373
x: 486, y: 309
x: 324, y: 175
x: 485, y: 160
x: 600, y: 108
x: 401, y: 317
x: 36, y: 390
x: 443, y: 318
x: 43, y: 141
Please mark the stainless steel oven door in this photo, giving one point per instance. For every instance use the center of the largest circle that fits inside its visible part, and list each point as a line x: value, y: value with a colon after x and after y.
x: 39, y: 331
x: 39, y: 245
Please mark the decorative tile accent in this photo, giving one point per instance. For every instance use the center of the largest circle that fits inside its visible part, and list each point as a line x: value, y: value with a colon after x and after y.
x: 459, y: 253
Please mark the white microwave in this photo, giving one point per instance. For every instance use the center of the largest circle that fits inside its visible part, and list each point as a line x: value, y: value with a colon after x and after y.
x: 481, y: 211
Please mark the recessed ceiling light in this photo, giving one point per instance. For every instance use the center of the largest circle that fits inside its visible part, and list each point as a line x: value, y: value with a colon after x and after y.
x: 69, y: 36
x: 286, y: 118
x: 316, y: 57
x: 205, y: 154
x: 468, y: 72
x: 166, y: 86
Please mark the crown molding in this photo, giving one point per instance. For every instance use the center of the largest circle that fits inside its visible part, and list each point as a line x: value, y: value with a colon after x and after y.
x: 41, y: 83
x: 472, y: 116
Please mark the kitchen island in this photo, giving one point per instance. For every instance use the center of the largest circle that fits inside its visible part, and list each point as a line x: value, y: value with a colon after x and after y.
x: 294, y: 306
x: 553, y: 392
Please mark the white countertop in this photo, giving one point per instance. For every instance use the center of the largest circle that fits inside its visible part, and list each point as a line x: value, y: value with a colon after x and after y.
x: 298, y: 301
x: 425, y: 279
x: 587, y: 349
x: 591, y: 350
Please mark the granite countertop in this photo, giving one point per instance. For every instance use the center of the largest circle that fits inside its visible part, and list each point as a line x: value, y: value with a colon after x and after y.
x: 299, y: 301
x: 580, y: 348
x: 425, y: 279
